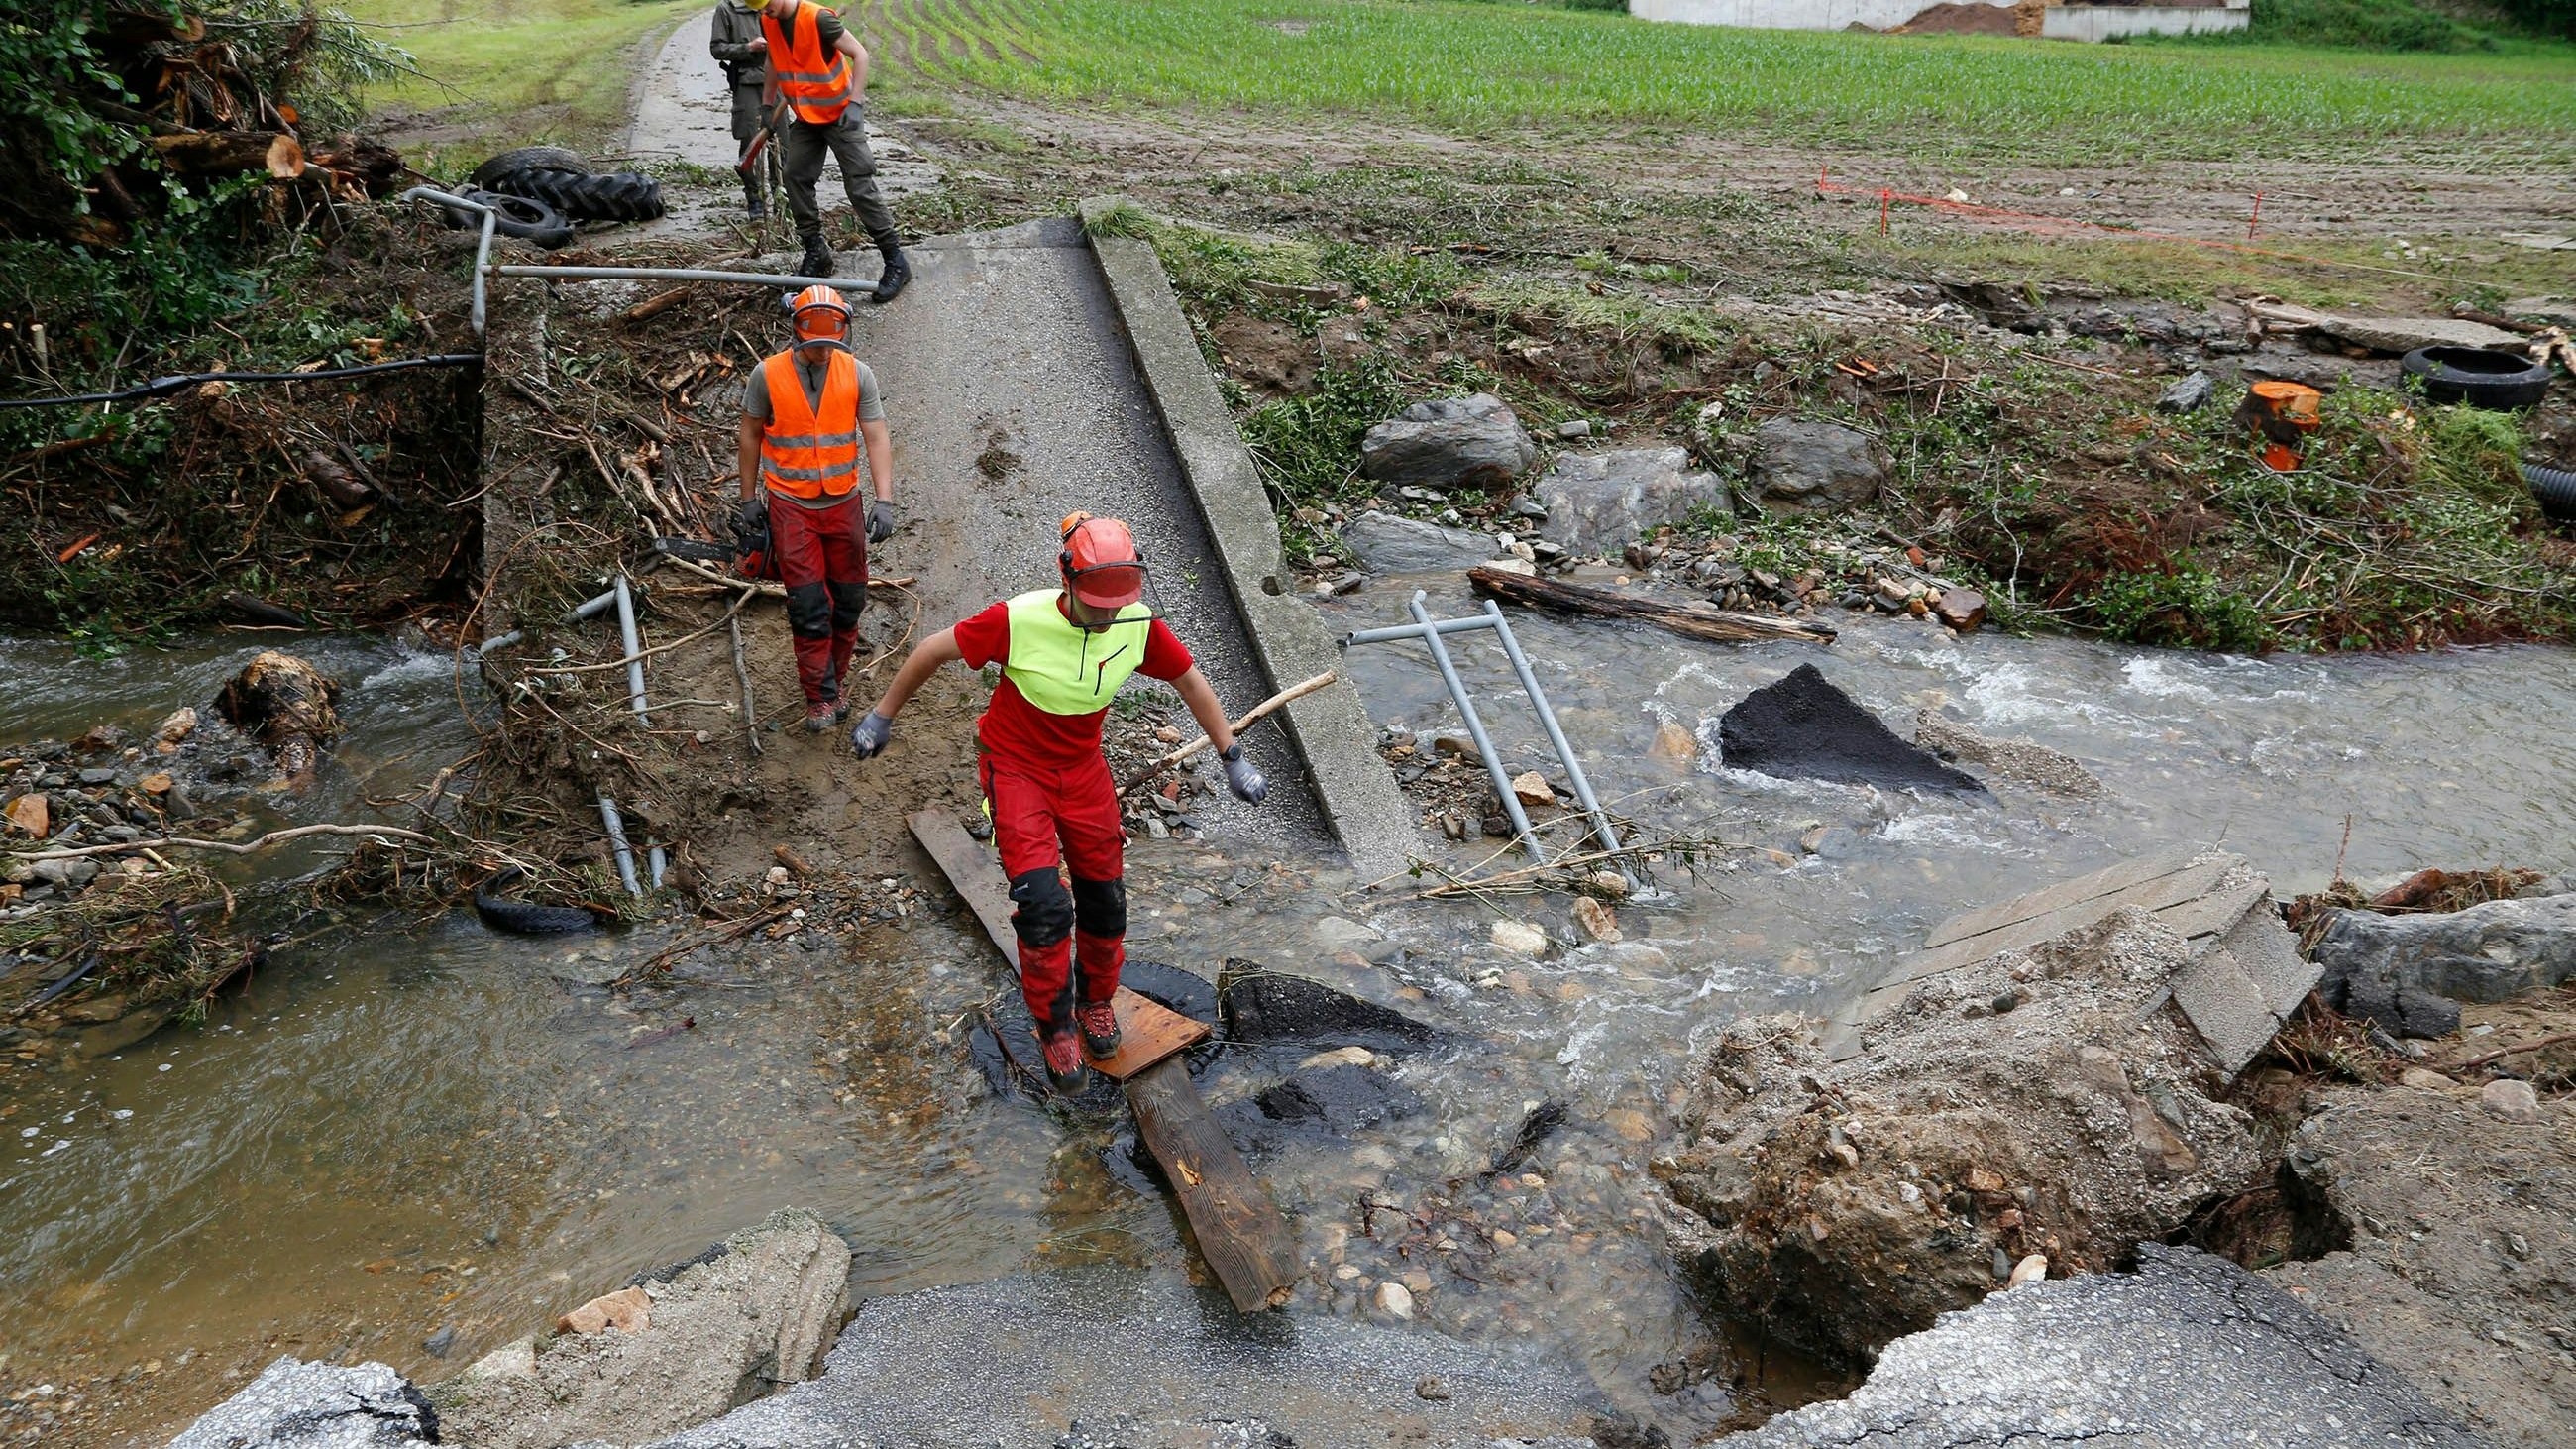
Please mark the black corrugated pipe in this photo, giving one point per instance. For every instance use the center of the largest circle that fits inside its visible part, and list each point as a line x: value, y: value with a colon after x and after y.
x: 164, y: 386
x: 2554, y: 487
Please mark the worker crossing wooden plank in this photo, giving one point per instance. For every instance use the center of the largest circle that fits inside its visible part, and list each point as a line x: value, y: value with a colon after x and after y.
x: 1238, y: 1228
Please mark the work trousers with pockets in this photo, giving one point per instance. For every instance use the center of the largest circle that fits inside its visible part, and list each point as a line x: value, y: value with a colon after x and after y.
x: 1034, y: 810
x: 801, y: 153
x: 822, y: 558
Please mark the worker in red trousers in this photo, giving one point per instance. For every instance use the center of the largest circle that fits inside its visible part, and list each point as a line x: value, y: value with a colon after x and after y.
x: 806, y: 414
x: 1063, y: 653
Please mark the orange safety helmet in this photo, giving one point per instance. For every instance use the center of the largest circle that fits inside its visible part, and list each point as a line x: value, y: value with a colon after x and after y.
x: 1100, y: 562
x: 807, y: 308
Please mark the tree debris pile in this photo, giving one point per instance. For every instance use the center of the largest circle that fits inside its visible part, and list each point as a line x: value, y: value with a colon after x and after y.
x: 2030, y: 1114
x: 137, y: 110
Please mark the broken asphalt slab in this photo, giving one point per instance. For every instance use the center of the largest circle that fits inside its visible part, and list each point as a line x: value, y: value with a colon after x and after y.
x: 1803, y: 728
x: 2187, y: 1352
x: 1016, y: 1363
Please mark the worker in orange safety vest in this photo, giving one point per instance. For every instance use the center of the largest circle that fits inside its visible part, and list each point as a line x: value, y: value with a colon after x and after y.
x: 805, y: 413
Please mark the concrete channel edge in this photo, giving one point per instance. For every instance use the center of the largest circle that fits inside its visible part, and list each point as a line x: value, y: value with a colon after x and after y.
x: 1330, y: 729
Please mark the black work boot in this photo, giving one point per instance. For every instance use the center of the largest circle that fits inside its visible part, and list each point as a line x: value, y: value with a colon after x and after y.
x: 754, y: 205
x: 818, y: 260
x: 897, y: 273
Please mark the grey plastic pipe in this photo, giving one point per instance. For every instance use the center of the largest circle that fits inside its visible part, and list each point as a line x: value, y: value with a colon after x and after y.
x: 482, y: 250
x: 616, y: 826
x: 634, y: 649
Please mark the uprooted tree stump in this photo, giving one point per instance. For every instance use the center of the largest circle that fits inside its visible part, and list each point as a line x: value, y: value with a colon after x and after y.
x: 285, y: 704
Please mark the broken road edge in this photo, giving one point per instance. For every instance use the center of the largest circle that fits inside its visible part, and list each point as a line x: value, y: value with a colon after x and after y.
x: 1330, y: 729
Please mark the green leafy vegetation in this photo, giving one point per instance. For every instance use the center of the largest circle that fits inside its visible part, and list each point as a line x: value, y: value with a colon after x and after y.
x: 1491, y: 69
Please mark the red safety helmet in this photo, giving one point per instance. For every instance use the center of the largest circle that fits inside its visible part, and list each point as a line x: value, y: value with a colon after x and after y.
x: 1100, y: 562
x: 819, y: 314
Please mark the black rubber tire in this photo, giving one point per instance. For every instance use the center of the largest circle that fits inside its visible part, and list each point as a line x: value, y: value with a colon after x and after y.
x: 2555, y: 488
x: 523, y: 217
x: 527, y: 158
x: 624, y: 196
x: 2482, y: 377
x: 522, y: 918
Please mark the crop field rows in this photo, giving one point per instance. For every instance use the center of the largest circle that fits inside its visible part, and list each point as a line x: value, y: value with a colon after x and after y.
x: 1490, y: 69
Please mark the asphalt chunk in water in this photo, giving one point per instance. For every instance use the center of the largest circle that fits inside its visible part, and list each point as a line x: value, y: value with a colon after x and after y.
x: 1801, y: 727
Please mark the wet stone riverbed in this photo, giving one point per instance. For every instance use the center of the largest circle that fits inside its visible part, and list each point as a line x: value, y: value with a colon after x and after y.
x: 415, y: 1140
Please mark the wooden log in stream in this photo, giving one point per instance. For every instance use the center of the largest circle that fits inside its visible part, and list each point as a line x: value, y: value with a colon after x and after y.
x: 1696, y: 621
x: 1238, y: 1228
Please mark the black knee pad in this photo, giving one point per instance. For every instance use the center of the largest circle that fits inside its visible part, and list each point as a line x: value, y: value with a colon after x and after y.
x: 1100, y: 906
x: 1045, y: 914
x: 848, y: 602
x: 809, y: 611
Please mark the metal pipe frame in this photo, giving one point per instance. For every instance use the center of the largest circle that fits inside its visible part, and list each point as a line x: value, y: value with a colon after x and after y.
x: 670, y: 274
x: 616, y: 826
x: 1556, y: 735
x: 482, y: 251
x: 1394, y: 632
x: 589, y: 609
x: 1429, y: 634
x: 634, y: 651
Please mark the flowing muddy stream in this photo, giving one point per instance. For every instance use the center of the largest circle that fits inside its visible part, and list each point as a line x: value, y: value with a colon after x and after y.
x: 415, y: 1129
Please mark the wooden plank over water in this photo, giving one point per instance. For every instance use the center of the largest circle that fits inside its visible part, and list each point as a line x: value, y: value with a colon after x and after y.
x: 1238, y: 1228
x: 1151, y: 1031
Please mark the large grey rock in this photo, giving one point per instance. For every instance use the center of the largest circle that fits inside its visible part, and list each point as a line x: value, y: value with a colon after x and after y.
x: 2187, y: 1352
x: 1010, y: 1364
x: 1450, y: 442
x: 1389, y: 543
x: 2408, y: 972
x: 1802, y: 467
x: 723, y: 1331
x: 1602, y: 502
x: 298, y: 1405
x: 2037, y: 1097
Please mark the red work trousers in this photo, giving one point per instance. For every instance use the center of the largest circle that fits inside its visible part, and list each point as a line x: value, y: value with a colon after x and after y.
x: 822, y: 558
x: 1033, y: 811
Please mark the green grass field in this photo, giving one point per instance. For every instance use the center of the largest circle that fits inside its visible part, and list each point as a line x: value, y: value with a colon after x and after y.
x: 1490, y: 69
x: 544, y: 70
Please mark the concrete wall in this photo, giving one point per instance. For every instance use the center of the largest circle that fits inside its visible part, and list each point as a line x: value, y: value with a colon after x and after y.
x: 2061, y: 22
x: 2102, y: 22
x: 1787, y: 14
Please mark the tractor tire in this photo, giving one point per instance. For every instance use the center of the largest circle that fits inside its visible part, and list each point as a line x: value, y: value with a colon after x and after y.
x: 523, y: 217
x: 526, y: 158
x: 2482, y: 377
x: 621, y: 197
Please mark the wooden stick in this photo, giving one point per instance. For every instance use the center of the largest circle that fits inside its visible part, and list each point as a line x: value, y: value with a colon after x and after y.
x: 1690, y: 620
x: 1250, y: 718
x: 742, y: 673
x: 652, y: 307
x: 274, y: 837
x: 2473, y: 1063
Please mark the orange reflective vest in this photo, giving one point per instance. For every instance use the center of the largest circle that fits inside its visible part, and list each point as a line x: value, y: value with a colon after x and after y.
x: 812, y: 78
x: 809, y: 451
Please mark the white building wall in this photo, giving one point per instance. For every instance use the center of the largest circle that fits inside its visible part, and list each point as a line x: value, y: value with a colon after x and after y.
x: 1787, y: 14
x: 2102, y: 22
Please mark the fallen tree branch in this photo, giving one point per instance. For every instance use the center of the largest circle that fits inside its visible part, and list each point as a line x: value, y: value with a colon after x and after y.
x: 1250, y: 718
x: 274, y: 837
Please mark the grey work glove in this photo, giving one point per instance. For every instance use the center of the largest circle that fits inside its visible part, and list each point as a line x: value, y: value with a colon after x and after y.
x: 871, y: 735
x: 880, y: 520
x: 753, y: 520
x: 1243, y: 777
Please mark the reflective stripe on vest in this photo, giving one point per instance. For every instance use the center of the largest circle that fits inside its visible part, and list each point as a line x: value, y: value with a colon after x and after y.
x: 1064, y: 669
x: 811, y: 78
x: 808, y: 451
